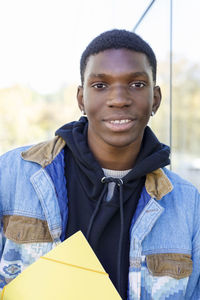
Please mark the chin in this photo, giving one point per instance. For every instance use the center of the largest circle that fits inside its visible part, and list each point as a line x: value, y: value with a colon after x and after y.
x: 120, y: 143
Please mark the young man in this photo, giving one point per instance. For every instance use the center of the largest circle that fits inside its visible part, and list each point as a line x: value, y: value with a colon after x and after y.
x: 105, y: 175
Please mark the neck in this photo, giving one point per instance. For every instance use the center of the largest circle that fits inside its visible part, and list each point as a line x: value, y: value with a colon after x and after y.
x: 115, y: 158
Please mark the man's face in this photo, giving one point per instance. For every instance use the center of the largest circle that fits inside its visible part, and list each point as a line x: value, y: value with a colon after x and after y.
x: 118, y: 96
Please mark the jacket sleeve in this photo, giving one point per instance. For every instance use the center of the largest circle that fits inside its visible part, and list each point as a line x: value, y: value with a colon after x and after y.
x: 2, y: 238
x: 1, y: 213
x: 193, y: 291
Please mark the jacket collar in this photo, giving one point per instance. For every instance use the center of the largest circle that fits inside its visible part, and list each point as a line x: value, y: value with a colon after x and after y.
x: 157, y: 183
x: 44, y: 153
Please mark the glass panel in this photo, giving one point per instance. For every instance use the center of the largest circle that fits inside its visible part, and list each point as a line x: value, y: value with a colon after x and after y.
x: 155, y: 28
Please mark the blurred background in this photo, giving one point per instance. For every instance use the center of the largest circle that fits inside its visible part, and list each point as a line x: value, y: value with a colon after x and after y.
x: 41, y: 44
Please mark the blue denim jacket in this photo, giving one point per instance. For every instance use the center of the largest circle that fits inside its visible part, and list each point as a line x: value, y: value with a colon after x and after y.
x: 164, y: 234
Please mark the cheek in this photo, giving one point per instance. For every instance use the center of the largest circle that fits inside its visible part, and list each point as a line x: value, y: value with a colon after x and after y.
x: 145, y: 103
x: 144, y: 106
x: 92, y: 104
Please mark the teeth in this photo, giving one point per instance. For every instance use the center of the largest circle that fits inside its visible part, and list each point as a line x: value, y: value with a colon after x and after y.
x: 119, y: 121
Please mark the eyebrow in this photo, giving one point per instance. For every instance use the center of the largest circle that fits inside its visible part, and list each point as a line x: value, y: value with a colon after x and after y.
x: 133, y: 75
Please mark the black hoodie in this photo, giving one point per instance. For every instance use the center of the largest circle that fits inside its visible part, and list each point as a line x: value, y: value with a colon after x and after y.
x: 108, y: 222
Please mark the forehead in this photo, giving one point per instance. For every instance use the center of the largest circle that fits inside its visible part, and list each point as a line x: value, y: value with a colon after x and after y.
x: 117, y: 61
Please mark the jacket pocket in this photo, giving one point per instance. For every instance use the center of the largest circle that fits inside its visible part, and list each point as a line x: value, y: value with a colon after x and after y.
x: 21, y: 229
x: 174, y: 265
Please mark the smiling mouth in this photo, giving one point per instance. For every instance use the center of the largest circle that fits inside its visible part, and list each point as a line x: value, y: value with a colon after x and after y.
x: 120, y: 121
x: 119, y: 125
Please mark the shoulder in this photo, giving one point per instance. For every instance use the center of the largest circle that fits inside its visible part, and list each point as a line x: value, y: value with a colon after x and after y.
x: 183, y: 191
x: 12, y: 157
x: 17, y: 169
x: 179, y: 182
x: 42, y: 153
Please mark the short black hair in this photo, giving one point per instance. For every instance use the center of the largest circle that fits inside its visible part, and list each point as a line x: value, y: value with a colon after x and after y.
x: 117, y: 39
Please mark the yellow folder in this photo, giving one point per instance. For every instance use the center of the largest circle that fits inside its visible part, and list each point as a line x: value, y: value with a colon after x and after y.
x: 71, y: 271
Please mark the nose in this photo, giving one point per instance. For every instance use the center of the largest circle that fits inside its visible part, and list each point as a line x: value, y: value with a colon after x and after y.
x: 118, y: 97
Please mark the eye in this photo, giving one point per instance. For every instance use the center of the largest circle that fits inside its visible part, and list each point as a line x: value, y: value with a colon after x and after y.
x: 99, y: 85
x: 138, y: 84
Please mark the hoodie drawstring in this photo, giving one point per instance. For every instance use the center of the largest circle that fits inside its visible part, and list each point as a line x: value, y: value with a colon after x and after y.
x: 119, y: 182
x: 95, y: 213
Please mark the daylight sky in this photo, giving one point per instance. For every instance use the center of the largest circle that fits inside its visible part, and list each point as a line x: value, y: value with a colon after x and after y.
x: 41, y: 41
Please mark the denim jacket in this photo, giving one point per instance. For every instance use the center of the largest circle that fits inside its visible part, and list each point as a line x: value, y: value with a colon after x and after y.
x: 164, y: 234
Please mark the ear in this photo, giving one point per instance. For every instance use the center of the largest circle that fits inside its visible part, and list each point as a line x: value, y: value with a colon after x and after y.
x: 79, y: 97
x: 156, y: 99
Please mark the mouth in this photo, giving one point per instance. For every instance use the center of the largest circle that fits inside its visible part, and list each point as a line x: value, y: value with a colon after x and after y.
x: 118, y: 125
x: 120, y: 121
